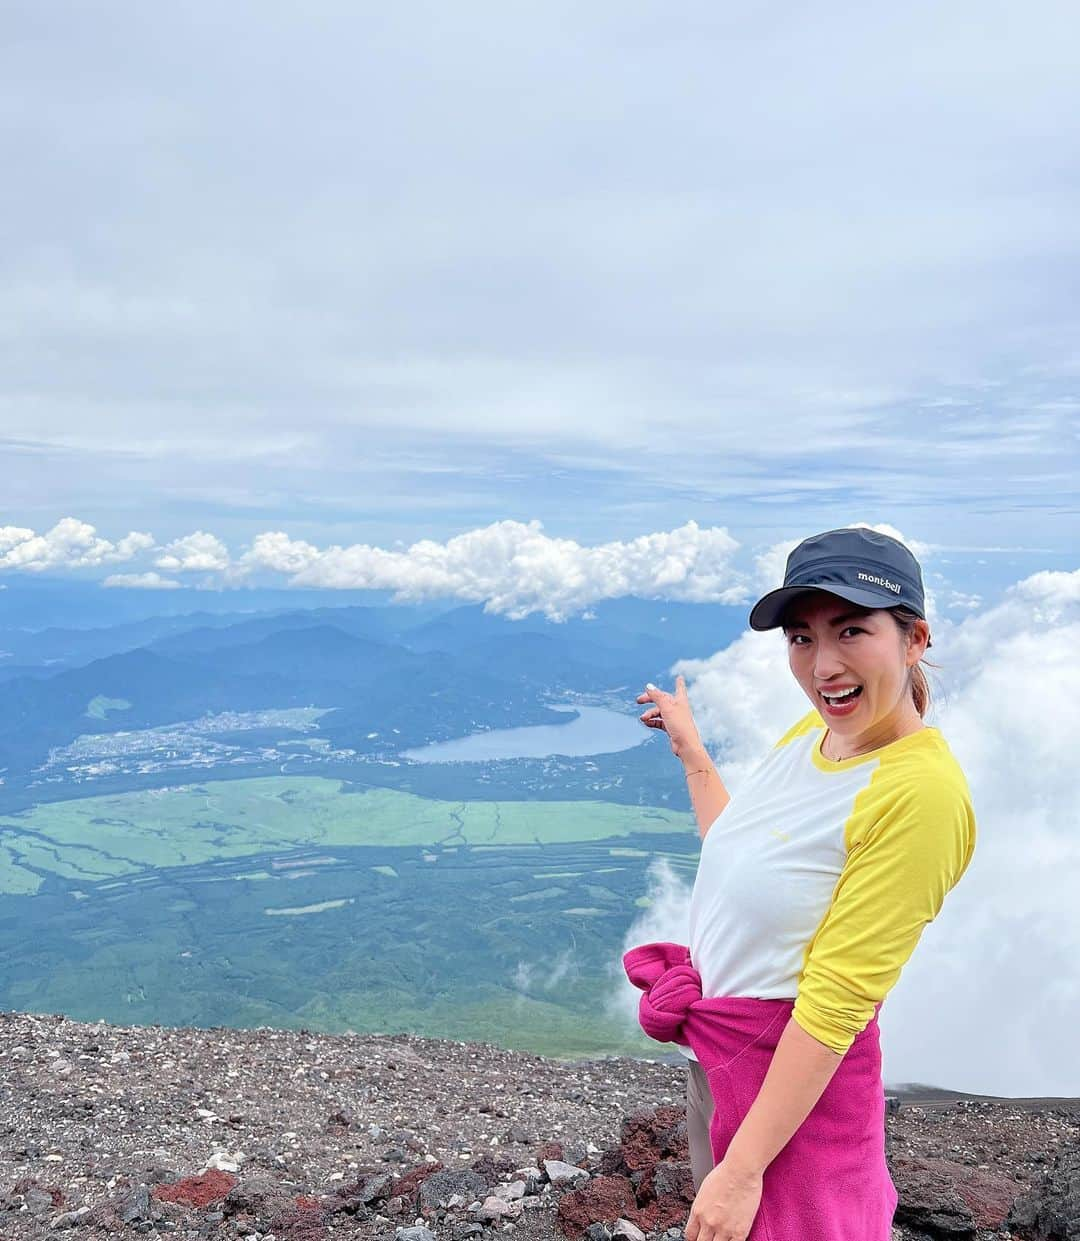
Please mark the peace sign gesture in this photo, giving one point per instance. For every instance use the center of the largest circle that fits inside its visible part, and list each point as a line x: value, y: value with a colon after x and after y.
x: 672, y: 714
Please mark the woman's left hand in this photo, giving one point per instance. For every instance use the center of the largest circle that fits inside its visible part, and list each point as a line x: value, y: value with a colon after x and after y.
x: 725, y: 1206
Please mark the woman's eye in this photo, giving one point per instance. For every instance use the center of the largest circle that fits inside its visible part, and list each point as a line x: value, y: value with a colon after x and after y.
x: 847, y: 629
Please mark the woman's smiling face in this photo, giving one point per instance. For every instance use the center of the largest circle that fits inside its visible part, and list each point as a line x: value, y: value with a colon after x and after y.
x: 834, y: 645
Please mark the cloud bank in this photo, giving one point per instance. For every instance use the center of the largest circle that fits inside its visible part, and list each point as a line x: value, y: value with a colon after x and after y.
x: 514, y: 568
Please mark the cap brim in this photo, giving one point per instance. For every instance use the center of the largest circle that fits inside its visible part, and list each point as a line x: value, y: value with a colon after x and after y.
x: 766, y: 613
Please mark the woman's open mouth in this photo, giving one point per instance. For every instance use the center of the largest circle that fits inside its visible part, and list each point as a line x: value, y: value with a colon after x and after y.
x: 842, y: 703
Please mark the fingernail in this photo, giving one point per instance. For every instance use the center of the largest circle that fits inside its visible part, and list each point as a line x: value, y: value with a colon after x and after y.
x: 649, y: 685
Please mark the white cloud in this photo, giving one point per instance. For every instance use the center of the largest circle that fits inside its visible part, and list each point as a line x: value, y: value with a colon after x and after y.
x: 961, y: 601
x: 538, y: 978
x: 1053, y: 591
x: 198, y: 552
x: 70, y: 544
x: 990, y: 1000
x: 132, y: 544
x: 141, y: 581
x: 515, y: 569
x: 665, y: 918
x: 277, y: 551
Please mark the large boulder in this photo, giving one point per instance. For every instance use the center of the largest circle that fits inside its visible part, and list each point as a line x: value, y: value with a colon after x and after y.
x: 950, y: 1199
x: 1050, y: 1209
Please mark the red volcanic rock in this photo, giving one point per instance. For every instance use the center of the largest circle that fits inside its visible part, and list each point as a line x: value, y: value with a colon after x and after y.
x: 604, y: 1199
x: 940, y: 1194
x: 649, y: 1136
x: 25, y: 1183
x: 406, y: 1185
x: 491, y: 1166
x: 197, y: 1191
x: 666, y: 1192
x: 988, y: 1195
x: 646, y: 1179
x: 303, y: 1220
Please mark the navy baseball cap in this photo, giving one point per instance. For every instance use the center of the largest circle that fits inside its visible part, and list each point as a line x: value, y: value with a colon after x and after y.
x: 871, y: 569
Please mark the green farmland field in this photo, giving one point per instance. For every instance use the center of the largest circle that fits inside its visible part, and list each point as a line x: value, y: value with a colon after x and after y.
x: 310, y: 902
x: 97, y: 838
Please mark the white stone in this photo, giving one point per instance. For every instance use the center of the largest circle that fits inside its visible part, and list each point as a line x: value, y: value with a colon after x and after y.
x: 560, y: 1173
x: 510, y: 1192
x: 225, y: 1161
x: 494, y: 1208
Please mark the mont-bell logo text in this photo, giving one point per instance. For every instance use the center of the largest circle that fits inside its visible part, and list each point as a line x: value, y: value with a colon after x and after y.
x: 879, y: 581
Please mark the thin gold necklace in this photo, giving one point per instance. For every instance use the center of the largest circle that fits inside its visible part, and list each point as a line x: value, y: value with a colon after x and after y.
x: 844, y: 758
x: 828, y: 737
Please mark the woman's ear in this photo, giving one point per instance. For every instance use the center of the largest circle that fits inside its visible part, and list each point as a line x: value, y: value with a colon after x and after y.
x: 919, y: 638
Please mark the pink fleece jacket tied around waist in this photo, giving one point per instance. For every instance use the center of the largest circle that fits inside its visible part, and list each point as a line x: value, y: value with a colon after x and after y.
x: 673, y: 1010
x: 668, y: 990
x: 830, y: 1182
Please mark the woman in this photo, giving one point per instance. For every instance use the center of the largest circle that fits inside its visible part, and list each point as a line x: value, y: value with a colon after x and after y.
x: 813, y: 888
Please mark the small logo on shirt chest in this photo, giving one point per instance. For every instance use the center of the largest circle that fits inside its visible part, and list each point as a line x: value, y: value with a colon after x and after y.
x: 781, y: 835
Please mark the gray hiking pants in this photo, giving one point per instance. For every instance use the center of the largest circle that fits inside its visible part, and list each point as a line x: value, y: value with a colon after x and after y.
x: 699, y: 1110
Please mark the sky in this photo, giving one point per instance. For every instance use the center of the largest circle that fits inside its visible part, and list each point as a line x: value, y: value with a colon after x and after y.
x: 537, y: 305
x: 374, y: 275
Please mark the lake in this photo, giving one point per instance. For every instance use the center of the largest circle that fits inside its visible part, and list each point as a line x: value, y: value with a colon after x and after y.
x: 597, y: 730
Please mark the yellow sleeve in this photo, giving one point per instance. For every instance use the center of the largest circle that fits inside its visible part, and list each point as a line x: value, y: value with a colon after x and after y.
x: 910, y: 846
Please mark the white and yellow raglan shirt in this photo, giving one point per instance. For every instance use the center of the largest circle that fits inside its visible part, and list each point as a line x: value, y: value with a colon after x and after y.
x: 816, y: 880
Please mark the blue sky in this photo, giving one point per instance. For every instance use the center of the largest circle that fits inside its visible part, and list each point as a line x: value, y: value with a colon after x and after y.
x: 369, y: 274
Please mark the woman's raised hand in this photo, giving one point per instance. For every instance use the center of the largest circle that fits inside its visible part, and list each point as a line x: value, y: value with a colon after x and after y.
x: 672, y: 714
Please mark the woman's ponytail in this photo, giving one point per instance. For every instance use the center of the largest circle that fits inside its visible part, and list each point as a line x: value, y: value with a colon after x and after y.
x: 920, y: 686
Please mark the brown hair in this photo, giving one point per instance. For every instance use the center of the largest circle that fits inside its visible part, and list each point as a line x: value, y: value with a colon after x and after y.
x: 920, y: 687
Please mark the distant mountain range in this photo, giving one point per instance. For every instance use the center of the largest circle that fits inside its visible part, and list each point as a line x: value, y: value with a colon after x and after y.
x: 403, y: 673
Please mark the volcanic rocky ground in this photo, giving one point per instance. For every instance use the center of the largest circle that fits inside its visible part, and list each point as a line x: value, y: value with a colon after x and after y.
x: 193, y: 1133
